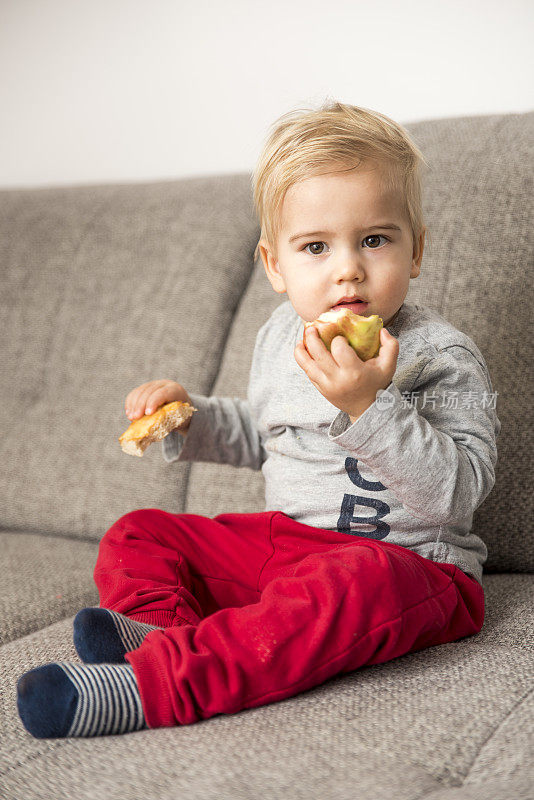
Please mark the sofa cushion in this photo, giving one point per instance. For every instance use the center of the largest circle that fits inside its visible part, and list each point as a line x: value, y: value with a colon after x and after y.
x: 105, y: 288
x: 504, y: 763
x: 478, y: 203
x: 415, y: 725
x: 517, y: 788
x: 44, y: 579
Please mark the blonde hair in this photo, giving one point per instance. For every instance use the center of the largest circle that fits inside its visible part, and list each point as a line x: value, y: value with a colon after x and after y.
x: 308, y: 142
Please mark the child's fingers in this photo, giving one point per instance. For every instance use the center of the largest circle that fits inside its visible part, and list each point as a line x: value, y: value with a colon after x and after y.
x: 157, y: 398
x: 307, y: 363
x: 130, y: 404
x: 314, y: 344
x: 302, y: 357
x: 389, y: 350
x: 141, y: 406
x: 132, y: 397
x: 137, y: 404
x: 318, y: 351
x: 133, y: 408
x: 312, y: 341
x: 343, y: 354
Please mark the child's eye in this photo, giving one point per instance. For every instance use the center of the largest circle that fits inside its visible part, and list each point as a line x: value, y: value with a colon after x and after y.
x: 312, y: 244
x: 376, y: 236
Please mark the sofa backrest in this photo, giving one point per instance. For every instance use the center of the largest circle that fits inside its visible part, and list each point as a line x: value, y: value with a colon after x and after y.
x: 106, y: 287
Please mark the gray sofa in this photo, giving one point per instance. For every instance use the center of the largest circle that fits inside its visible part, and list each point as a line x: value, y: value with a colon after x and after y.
x: 105, y: 287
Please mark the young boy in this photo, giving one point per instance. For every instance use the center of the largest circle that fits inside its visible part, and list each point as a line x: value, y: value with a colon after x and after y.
x: 373, y: 471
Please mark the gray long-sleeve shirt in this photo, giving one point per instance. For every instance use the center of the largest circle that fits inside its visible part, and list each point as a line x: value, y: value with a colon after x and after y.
x: 411, y: 470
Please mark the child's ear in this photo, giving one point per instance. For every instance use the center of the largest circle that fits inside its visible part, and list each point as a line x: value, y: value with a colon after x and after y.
x: 418, y: 255
x: 271, y: 266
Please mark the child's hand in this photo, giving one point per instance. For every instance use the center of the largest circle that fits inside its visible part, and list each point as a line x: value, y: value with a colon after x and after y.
x: 148, y: 397
x: 341, y: 376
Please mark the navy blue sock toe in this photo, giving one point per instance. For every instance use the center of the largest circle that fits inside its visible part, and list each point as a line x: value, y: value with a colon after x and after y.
x: 96, y: 638
x: 65, y: 699
x: 46, y: 701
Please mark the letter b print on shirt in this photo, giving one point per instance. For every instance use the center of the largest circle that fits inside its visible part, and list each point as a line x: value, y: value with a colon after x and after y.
x: 350, y: 501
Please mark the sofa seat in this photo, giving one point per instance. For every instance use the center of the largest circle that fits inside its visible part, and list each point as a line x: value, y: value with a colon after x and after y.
x: 45, y: 578
x: 418, y: 726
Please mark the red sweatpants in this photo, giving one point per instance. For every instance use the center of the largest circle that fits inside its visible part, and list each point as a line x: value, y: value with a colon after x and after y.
x: 258, y: 607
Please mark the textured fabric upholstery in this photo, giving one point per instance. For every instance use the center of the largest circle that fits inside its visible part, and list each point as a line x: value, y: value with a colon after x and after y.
x: 44, y: 579
x: 425, y: 723
x: 106, y: 287
x: 102, y: 290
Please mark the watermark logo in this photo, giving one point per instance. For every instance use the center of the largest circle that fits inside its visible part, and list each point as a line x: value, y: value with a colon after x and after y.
x: 384, y: 399
x: 449, y: 399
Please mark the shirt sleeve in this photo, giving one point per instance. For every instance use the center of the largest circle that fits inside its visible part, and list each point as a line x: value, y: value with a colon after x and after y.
x: 221, y: 431
x: 438, y: 453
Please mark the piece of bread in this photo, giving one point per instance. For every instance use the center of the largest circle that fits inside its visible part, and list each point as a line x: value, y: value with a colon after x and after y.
x: 153, y: 427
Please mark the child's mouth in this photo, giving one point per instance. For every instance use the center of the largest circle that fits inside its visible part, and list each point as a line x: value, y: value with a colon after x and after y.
x: 357, y: 307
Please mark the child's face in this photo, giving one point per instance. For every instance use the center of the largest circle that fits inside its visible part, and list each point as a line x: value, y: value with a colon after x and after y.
x: 353, y: 255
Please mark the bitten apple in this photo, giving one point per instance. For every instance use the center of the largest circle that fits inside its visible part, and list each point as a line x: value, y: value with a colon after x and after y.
x: 362, y: 333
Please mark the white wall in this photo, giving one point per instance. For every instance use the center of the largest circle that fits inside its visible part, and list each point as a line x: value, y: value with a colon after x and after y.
x: 122, y: 90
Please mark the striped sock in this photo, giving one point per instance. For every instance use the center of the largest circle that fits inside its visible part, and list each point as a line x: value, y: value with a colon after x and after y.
x: 64, y: 699
x: 102, y: 636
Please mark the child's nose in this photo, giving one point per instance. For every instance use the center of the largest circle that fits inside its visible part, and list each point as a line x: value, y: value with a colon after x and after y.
x: 349, y: 269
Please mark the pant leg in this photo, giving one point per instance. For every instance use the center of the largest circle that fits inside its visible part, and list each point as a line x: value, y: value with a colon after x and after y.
x: 170, y: 569
x: 329, y: 603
